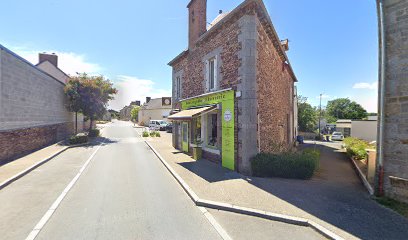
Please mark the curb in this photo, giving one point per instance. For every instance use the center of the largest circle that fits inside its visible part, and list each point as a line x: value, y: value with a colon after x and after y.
x: 38, y: 164
x: 362, y: 177
x: 244, y: 210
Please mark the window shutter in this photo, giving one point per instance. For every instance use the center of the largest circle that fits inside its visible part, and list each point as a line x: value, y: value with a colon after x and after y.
x: 207, y: 76
x: 216, y: 72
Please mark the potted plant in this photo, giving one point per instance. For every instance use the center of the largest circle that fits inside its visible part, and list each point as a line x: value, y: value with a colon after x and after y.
x: 198, y: 151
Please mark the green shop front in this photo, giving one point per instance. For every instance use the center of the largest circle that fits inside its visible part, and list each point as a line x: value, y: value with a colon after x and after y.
x: 204, y: 126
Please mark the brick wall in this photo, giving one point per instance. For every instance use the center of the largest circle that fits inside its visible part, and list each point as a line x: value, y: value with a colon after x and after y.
x: 396, y: 100
x: 16, y: 143
x: 274, y: 95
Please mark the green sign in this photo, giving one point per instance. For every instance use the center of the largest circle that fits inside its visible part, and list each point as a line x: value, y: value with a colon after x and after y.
x: 226, y: 99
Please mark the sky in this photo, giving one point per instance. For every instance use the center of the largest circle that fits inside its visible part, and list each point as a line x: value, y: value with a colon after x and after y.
x: 333, y: 44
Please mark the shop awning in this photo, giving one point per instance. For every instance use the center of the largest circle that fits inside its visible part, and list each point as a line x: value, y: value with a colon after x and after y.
x: 190, y: 113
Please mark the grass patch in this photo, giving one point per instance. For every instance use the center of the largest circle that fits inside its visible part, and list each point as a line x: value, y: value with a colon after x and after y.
x: 399, y: 207
x: 298, y: 165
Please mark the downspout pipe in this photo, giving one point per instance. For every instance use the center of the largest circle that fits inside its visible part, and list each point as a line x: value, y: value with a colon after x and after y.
x: 379, y: 179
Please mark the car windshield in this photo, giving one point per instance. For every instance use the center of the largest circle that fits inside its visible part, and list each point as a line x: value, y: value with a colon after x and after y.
x: 336, y: 133
x: 162, y: 122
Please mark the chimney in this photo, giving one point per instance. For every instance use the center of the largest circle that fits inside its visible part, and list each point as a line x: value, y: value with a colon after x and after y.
x: 197, y: 25
x: 148, y: 99
x: 52, y: 58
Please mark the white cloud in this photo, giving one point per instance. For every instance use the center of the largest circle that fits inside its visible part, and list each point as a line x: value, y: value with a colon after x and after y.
x: 133, y: 89
x: 69, y: 62
x: 363, y: 85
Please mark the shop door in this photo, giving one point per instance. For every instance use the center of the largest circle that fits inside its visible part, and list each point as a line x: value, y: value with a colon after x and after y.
x: 185, y: 140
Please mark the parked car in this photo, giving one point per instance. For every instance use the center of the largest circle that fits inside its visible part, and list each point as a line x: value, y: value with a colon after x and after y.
x: 169, y: 128
x: 337, y: 136
x: 157, y: 125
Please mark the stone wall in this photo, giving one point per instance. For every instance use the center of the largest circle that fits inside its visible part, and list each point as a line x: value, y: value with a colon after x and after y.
x: 17, y: 143
x: 275, y: 96
x: 396, y: 100
x: 32, y: 108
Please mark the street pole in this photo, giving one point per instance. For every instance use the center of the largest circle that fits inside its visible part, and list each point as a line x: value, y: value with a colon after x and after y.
x: 320, y: 114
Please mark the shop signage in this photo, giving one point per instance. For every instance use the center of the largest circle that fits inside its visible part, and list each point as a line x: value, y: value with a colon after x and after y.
x: 226, y: 99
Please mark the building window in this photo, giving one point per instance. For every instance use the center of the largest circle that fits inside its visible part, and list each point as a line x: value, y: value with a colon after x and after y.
x: 212, y: 130
x: 212, y: 81
x: 178, y: 87
x: 196, y: 131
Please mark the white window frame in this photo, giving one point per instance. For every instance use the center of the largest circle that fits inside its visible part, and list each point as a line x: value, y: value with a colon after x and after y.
x: 210, y: 75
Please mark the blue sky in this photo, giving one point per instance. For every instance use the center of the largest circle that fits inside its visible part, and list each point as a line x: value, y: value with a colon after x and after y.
x: 333, y: 44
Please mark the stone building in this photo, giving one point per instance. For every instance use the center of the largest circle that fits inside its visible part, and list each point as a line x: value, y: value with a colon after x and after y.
x: 233, y: 87
x: 154, y: 109
x: 392, y: 158
x: 124, y: 114
x: 32, y: 107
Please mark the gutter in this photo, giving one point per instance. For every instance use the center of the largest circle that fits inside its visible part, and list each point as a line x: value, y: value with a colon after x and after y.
x: 379, y: 181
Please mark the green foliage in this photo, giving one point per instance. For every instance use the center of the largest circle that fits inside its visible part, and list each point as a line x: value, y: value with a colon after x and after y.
x: 299, y: 165
x: 89, y: 95
x: 78, y: 139
x: 344, y: 108
x: 158, y: 134
x: 306, y: 115
x: 134, y: 114
x: 153, y: 134
x: 145, y: 134
x: 94, y: 133
x: 357, y: 148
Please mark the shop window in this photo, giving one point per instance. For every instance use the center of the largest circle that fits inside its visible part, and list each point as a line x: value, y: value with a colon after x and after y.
x: 178, y: 87
x: 212, y: 130
x: 196, y: 131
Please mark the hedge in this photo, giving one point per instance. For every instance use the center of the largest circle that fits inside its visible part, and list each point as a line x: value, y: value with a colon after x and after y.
x: 299, y: 165
x: 94, y: 133
x: 78, y: 139
x: 357, y: 148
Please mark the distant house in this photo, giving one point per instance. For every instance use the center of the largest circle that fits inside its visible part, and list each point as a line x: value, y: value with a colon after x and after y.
x: 154, y: 109
x: 362, y: 129
x: 49, y: 64
x: 125, y: 113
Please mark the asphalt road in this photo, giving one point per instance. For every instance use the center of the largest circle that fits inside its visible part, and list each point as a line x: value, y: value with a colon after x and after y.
x: 124, y: 193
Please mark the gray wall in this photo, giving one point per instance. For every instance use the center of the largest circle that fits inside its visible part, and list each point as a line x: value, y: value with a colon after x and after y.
x: 396, y: 99
x: 28, y: 96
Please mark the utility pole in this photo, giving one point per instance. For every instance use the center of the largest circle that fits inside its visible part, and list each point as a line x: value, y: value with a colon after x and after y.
x: 320, y: 114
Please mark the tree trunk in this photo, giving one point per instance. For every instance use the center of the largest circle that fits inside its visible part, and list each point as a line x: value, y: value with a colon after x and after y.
x: 90, y: 125
x: 76, y: 123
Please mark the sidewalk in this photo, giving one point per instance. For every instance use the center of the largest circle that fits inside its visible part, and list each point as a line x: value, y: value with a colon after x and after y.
x: 15, y: 167
x: 334, y: 198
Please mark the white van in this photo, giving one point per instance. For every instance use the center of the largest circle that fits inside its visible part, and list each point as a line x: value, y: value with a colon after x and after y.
x: 157, y: 125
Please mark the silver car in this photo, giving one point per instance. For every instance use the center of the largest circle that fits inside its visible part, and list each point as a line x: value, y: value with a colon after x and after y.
x: 337, y: 136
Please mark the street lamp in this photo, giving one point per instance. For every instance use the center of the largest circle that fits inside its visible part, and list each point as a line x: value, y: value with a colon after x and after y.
x: 320, y: 114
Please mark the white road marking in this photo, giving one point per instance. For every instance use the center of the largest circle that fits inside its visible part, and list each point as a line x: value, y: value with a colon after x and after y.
x: 34, y: 233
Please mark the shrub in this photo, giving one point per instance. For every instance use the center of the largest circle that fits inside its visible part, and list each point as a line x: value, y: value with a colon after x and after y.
x: 158, y: 134
x: 153, y: 134
x: 145, y: 134
x: 356, y: 148
x: 78, y: 139
x: 300, y: 165
x: 94, y: 133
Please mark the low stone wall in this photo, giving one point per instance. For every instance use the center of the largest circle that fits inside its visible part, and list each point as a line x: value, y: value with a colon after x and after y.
x: 399, y: 189
x: 17, y: 143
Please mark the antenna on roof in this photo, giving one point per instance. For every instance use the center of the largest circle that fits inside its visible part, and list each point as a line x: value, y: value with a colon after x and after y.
x: 220, y: 12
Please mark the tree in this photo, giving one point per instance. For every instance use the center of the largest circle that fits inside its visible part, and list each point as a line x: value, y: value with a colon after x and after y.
x: 74, y: 103
x: 306, y: 115
x: 344, y: 108
x: 134, y: 114
x: 89, y: 95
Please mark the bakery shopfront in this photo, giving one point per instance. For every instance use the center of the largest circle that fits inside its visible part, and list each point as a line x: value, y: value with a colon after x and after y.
x: 205, y: 125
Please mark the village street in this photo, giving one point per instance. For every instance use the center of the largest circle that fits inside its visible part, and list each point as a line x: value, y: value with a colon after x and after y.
x: 124, y: 193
